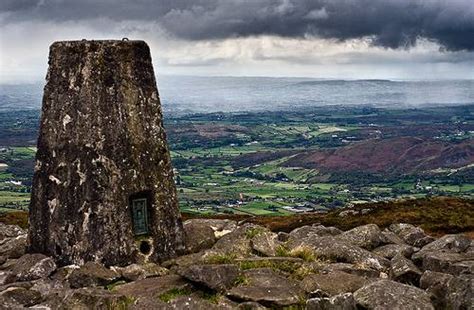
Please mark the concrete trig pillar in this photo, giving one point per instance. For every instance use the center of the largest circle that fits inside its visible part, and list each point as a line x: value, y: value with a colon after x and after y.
x: 103, y: 187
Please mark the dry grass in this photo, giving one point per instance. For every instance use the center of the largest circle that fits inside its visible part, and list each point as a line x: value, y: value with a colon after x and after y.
x: 437, y: 216
x: 19, y: 218
x: 305, y: 253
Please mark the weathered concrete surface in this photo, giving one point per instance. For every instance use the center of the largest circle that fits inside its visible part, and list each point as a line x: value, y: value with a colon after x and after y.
x: 101, y: 142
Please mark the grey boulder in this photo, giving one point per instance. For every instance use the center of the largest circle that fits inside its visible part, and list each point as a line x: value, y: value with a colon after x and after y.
x: 237, y: 242
x: 344, y: 301
x: 32, y: 267
x: 313, y: 231
x: 265, y: 243
x: 332, y: 248
x: 448, y: 291
x: 10, y: 231
x: 13, y: 247
x: 135, y: 272
x: 267, y: 288
x: 199, y: 235
x: 386, y: 294
x: 411, y: 235
x: 91, y: 274
x: 215, y: 277
x: 403, y: 270
x: 453, y: 243
x: 448, y: 262
x: 367, y: 236
x: 19, y: 296
x: 389, y: 251
x: 95, y: 298
x: 190, y: 303
x: 333, y: 283
x: 358, y: 270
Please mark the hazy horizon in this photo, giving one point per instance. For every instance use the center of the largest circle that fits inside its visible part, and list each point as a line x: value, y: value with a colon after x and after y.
x: 206, y: 94
x: 159, y: 76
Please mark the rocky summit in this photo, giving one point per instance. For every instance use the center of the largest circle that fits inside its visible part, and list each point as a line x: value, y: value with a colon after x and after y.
x: 232, y: 265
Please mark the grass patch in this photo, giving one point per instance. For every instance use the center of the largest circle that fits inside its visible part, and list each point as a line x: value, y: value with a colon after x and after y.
x: 282, y: 251
x: 122, y: 304
x: 305, y: 253
x: 241, y: 280
x: 253, y: 232
x: 174, y: 293
x: 19, y: 218
x: 303, y: 272
x: 213, y: 298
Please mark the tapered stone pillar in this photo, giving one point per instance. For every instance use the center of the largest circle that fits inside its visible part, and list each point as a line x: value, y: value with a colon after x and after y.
x: 103, y: 186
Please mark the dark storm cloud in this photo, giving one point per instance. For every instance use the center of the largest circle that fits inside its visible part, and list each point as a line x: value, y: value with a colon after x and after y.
x: 389, y: 23
x: 17, y: 5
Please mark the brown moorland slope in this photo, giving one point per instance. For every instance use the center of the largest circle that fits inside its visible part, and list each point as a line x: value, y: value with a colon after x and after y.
x: 395, y: 155
x: 437, y: 216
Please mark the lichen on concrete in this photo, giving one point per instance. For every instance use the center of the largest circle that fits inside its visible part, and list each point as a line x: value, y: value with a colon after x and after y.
x: 101, y: 142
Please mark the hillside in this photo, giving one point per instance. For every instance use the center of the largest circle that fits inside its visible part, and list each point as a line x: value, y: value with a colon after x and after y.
x: 438, y: 216
x: 406, y: 155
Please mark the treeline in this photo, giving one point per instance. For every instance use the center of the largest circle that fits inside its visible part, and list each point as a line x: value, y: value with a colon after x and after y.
x: 279, y: 177
x: 186, y: 142
x: 362, y: 178
x: 22, y: 169
x: 18, y: 129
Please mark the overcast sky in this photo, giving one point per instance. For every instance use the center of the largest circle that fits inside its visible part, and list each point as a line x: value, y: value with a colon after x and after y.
x: 401, y: 39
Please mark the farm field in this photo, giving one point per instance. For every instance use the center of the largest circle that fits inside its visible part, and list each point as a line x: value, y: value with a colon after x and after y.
x: 284, y: 163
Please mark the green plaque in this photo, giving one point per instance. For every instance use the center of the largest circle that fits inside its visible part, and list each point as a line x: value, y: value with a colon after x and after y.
x: 139, y: 216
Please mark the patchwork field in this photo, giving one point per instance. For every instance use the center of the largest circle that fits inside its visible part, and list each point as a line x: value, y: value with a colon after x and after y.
x: 283, y: 163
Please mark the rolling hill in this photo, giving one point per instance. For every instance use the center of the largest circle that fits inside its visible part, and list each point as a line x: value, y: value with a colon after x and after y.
x: 401, y: 155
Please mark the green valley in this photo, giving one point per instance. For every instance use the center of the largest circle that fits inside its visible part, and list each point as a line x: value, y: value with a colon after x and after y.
x: 282, y: 163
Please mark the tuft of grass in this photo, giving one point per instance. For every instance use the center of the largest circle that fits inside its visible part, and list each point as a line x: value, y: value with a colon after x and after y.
x: 213, y: 298
x: 174, y: 293
x: 303, y: 252
x: 253, y: 232
x: 303, y: 272
x: 220, y: 258
x: 282, y: 251
x: 301, y: 303
x: 123, y: 304
x: 241, y: 280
